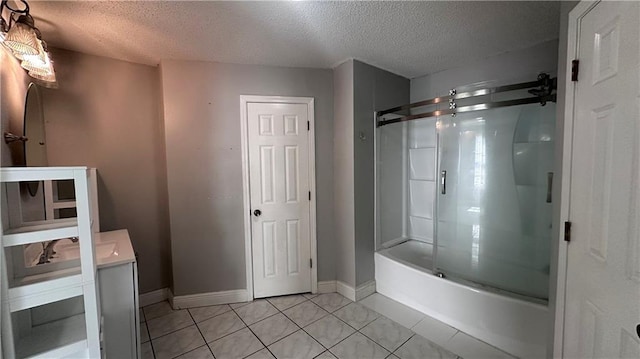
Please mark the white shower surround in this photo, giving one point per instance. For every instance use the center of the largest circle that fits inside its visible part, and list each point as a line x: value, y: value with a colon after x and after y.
x: 516, y: 326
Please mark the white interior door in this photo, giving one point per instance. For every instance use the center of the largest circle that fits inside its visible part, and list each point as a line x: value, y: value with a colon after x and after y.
x: 280, y: 198
x: 602, y: 309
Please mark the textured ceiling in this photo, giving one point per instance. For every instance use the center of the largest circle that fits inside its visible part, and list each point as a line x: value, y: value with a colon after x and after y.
x: 408, y: 38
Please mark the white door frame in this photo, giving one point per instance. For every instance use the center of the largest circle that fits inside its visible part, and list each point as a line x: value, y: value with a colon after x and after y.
x: 309, y: 101
x: 575, y: 16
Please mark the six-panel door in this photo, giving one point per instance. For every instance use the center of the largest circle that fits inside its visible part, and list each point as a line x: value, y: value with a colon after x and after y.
x: 279, y: 186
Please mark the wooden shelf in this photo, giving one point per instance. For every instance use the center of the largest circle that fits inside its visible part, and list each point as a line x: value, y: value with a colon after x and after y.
x: 45, y: 290
x: 21, y: 174
x: 64, y: 204
x: 58, y: 339
x: 75, y: 336
x: 34, y: 232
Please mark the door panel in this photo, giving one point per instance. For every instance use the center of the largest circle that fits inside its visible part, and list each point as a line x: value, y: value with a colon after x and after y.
x: 603, y: 291
x: 279, y: 183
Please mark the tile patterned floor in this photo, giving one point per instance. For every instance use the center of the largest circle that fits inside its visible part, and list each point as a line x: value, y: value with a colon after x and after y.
x: 325, y: 326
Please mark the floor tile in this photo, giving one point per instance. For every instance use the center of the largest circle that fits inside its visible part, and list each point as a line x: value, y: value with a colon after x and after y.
x: 418, y: 348
x: 201, y: 313
x: 256, y: 311
x: 273, y: 328
x: 177, y: 343
x: 470, y: 347
x: 144, y: 333
x: 261, y: 354
x: 141, y: 315
x: 146, y: 350
x: 358, y: 346
x: 298, y: 345
x: 326, y: 355
x: 356, y: 315
x: 157, y: 310
x: 387, y: 333
x: 434, y: 330
x: 287, y: 301
x: 169, y: 323
x: 236, y: 345
x: 397, y: 312
x: 391, y: 356
x: 219, y: 326
x: 200, y: 353
x: 310, y: 295
x: 331, y: 301
x: 305, y: 313
x: 238, y: 305
x: 329, y: 330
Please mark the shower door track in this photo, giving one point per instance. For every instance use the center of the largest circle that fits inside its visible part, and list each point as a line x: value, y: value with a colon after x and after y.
x: 542, y: 89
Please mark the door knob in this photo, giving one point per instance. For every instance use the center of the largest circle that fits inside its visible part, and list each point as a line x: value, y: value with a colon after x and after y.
x: 257, y: 213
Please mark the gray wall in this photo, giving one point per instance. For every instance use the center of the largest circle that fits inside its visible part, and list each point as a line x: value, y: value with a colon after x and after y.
x: 204, y: 166
x: 343, y: 179
x: 521, y: 64
x: 374, y: 89
x: 106, y: 114
x: 13, y: 90
x: 359, y: 90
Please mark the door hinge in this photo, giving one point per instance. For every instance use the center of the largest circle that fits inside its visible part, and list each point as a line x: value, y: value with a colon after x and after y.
x: 310, y: 263
x: 308, y: 126
x: 309, y: 195
x: 567, y: 231
x: 575, y: 69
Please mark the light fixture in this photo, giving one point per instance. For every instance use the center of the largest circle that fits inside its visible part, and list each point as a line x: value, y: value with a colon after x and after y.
x: 23, y: 39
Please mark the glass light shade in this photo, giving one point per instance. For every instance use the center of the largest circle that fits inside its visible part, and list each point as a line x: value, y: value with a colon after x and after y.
x: 48, y: 81
x: 38, y: 67
x: 3, y: 29
x: 22, y: 39
x: 36, y: 63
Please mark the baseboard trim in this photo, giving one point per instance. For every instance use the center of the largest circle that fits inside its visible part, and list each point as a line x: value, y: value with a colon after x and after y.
x: 365, y: 290
x: 211, y: 298
x: 154, y: 297
x: 346, y: 290
x: 327, y: 286
x: 241, y: 295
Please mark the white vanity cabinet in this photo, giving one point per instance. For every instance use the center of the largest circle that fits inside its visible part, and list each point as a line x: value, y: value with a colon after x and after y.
x: 118, y: 287
x: 67, y: 289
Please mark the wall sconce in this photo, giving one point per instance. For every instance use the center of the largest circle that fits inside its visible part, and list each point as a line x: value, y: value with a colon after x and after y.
x: 23, y: 39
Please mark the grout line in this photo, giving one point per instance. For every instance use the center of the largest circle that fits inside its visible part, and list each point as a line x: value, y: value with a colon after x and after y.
x: 193, y: 350
x: 207, y: 318
x: 420, y: 321
x: 224, y: 336
x: 403, y: 343
x: 153, y: 351
x: 202, y: 335
x: 300, y: 328
x: 146, y: 320
x: 306, y: 325
x: 254, y: 334
x: 171, y: 332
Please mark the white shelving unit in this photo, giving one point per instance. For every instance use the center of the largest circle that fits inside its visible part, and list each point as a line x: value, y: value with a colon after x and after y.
x: 78, y: 335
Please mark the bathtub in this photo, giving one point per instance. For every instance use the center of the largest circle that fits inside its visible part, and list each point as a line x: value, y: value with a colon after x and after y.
x: 517, y: 326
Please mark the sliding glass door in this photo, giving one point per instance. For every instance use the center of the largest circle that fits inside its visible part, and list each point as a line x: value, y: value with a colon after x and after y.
x: 493, y: 206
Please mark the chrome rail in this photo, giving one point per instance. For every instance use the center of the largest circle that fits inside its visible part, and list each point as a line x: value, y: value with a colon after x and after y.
x: 543, y: 91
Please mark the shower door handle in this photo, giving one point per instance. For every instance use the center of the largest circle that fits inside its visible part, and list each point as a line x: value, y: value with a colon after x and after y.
x: 549, y: 186
x: 443, y: 182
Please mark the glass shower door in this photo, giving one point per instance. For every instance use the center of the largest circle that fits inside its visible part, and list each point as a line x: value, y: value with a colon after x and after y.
x: 493, y: 212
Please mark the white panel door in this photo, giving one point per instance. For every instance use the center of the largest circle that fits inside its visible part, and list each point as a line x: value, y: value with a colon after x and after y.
x: 603, y: 272
x: 279, y: 186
